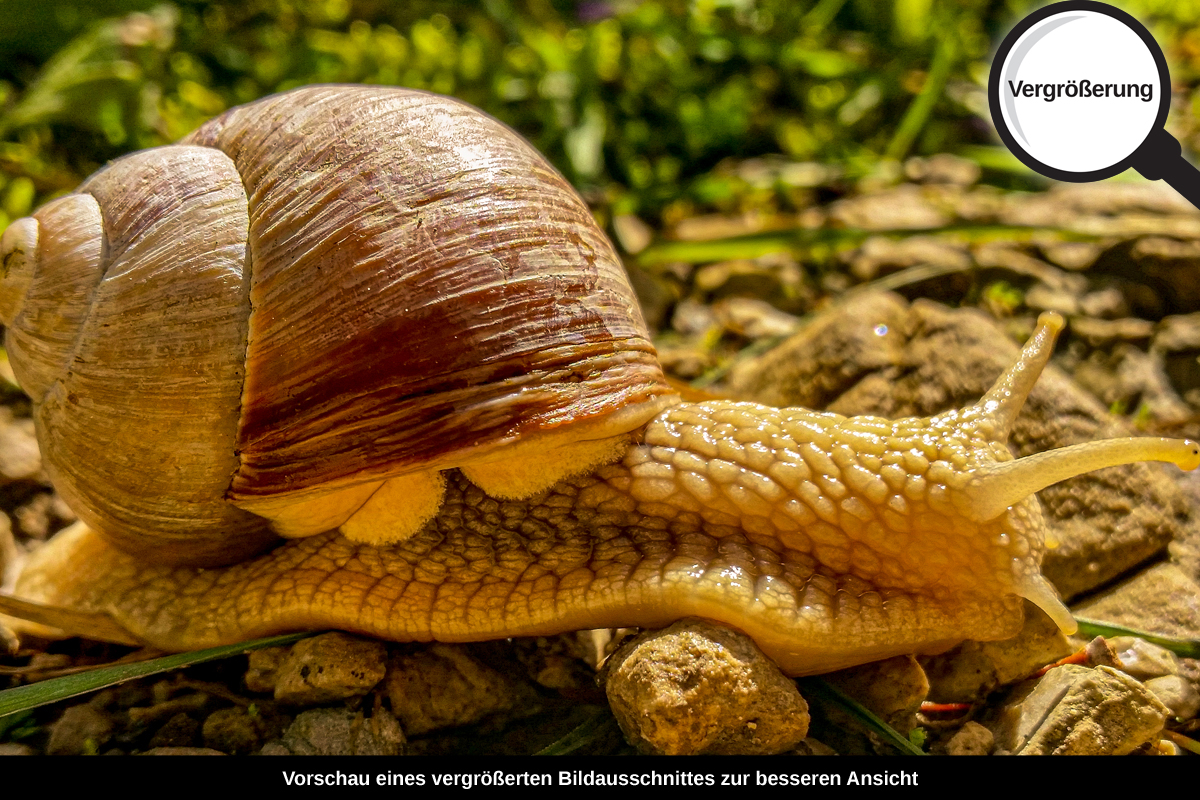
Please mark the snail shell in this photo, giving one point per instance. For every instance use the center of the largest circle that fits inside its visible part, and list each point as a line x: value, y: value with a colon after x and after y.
x: 306, y: 298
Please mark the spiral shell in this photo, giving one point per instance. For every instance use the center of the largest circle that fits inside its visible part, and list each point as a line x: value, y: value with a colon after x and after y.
x: 324, y: 289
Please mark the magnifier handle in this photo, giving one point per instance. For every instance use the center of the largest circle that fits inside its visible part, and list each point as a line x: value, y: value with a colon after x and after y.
x: 1161, y: 158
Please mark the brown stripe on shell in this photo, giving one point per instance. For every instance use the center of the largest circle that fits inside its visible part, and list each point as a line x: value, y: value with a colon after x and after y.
x: 421, y: 277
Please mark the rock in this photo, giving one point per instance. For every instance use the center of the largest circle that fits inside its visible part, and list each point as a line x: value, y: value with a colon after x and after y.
x: 1075, y: 710
x: 971, y: 671
x: 892, y: 689
x: 182, y: 751
x: 875, y: 354
x: 1176, y: 693
x: 1172, y: 265
x: 330, y: 667
x: 233, y: 731
x: 1041, y: 297
x: 20, y: 458
x: 905, y: 207
x: 942, y: 168
x: 80, y: 730
x: 972, y: 739
x: 341, y: 732
x: 754, y: 319
x: 1075, y: 256
x: 880, y: 255
x: 698, y: 688
x: 813, y: 747
x: 633, y: 235
x: 444, y: 686
x: 1105, y: 331
x: 179, y: 731
x: 263, y: 671
x: 1161, y: 599
x: 1106, y: 304
x: 1143, y: 660
x: 1100, y: 653
x: 1130, y: 379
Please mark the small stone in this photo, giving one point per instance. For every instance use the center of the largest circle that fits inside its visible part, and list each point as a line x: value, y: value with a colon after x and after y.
x: 1142, y: 659
x: 1100, y: 653
x: 1176, y: 693
x: 1104, y: 331
x: 1075, y: 710
x: 633, y: 235
x: 1075, y: 256
x: 182, y: 751
x: 904, y: 208
x: 1161, y: 599
x: 20, y: 458
x: 80, y: 730
x: 698, y: 688
x: 444, y: 686
x: 973, y: 670
x: 942, y: 168
x: 14, y: 749
x: 263, y: 671
x: 233, y: 731
x: 1107, y: 303
x: 813, y: 747
x: 754, y: 319
x: 892, y: 689
x: 880, y: 255
x: 972, y: 739
x: 1045, y: 298
x: 342, y: 732
x: 330, y: 667
x: 179, y: 731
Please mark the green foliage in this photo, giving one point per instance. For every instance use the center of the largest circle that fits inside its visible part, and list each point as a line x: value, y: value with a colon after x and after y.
x: 636, y: 102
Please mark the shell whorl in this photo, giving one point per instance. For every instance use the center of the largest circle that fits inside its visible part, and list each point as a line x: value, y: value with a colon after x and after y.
x: 325, y: 287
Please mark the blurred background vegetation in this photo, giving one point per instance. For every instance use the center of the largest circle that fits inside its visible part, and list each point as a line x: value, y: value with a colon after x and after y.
x: 647, y: 106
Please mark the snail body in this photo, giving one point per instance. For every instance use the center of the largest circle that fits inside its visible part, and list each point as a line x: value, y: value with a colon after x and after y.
x: 404, y: 346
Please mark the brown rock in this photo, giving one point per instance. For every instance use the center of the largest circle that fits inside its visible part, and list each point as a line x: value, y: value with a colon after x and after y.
x: 1176, y: 693
x: 20, y: 458
x: 973, y: 670
x: 880, y: 255
x: 972, y: 739
x: 1074, y: 710
x: 263, y: 671
x: 233, y: 731
x: 80, y: 730
x: 1161, y: 599
x: 892, y: 689
x: 697, y: 688
x: 179, y: 731
x: 444, y: 686
x: 1143, y: 660
x: 342, y: 732
x: 906, y: 207
x: 330, y: 667
x: 182, y: 751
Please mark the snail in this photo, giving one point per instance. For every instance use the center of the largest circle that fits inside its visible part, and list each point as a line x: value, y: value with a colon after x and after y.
x: 360, y: 358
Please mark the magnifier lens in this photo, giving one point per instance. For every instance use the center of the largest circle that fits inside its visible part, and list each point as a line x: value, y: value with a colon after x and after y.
x: 1080, y: 91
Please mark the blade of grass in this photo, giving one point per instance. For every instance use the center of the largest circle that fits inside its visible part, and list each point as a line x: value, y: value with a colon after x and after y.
x: 1187, y: 648
x: 39, y: 694
x: 921, y: 108
x: 816, y: 687
x: 599, y: 726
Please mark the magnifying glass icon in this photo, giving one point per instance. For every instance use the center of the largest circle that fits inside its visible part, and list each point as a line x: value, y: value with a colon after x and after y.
x: 1079, y: 91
